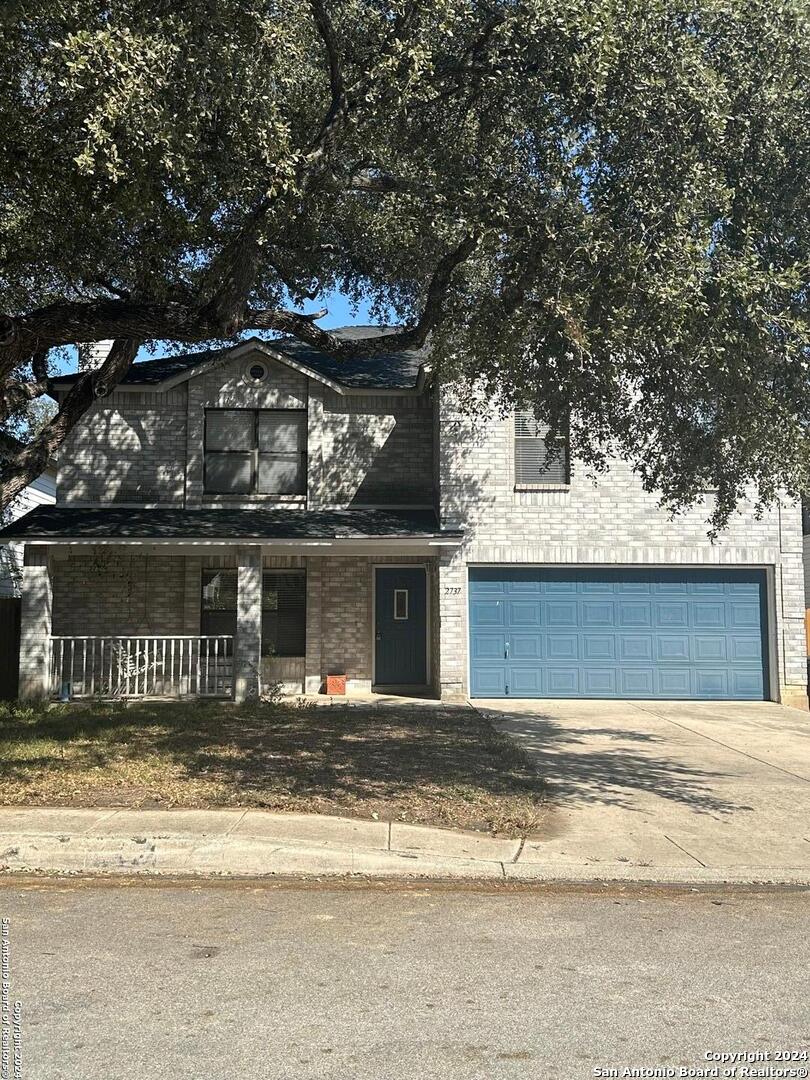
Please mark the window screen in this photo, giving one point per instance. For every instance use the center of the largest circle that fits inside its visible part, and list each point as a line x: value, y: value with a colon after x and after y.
x: 535, y: 463
x: 255, y: 451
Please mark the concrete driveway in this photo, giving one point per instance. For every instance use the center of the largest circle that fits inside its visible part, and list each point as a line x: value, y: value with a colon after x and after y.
x: 667, y: 784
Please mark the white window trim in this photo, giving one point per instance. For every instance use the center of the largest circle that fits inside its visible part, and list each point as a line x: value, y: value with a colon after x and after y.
x: 543, y: 485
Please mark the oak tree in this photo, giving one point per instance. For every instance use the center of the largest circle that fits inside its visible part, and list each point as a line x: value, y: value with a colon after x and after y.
x: 598, y: 208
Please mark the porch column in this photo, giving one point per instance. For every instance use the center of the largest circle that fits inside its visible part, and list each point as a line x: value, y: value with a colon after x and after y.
x: 36, y: 624
x: 248, y: 658
x: 313, y: 667
x: 452, y: 681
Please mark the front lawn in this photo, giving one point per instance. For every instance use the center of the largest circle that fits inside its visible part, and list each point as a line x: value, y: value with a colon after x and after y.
x: 420, y: 763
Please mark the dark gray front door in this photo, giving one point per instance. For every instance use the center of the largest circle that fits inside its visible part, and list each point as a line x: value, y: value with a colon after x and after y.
x: 400, y: 626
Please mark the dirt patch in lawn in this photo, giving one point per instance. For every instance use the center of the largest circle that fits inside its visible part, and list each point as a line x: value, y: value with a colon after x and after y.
x: 430, y: 765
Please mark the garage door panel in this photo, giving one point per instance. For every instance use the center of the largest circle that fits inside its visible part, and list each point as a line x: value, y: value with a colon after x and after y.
x: 597, y: 585
x: 523, y: 613
x: 744, y: 615
x: 671, y: 584
x: 637, y: 682
x: 710, y: 647
x: 702, y: 587
x: 487, y: 646
x: 488, y: 680
x: 563, y: 681
x: 525, y: 681
x: 597, y: 613
x: 598, y: 647
x: 636, y: 647
x: 634, y: 613
x: 708, y: 615
x: 487, y: 613
x: 561, y: 613
x: 745, y: 648
x: 670, y: 633
x: 562, y: 646
x: 526, y: 646
x: 675, y: 683
x: 671, y: 613
x: 520, y: 586
x: 599, y: 682
x: 711, y: 683
x: 556, y: 585
x: 746, y: 684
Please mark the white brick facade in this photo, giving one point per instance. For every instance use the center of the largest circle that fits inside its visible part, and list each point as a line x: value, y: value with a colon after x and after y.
x: 609, y: 521
x: 140, y: 448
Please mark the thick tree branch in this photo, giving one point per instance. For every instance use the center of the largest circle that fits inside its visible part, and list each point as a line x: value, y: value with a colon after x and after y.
x: 412, y: 337
x: 232, y: 272
x: 16, y: 394
x: 27, y: 465
x: 39, y: 365
x: 372, y: 180
x: 97, y: 320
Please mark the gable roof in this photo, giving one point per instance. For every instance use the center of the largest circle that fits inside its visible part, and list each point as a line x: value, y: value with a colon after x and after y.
x: 391, y: 371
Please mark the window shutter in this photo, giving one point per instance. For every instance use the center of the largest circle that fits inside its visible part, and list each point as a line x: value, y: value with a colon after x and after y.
x: 534, y: 463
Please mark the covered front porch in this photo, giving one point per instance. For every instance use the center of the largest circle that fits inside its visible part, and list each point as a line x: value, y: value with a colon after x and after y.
x: 157, y: 616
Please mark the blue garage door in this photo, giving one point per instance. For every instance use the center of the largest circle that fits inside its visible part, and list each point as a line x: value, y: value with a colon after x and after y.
x: 618, y: 633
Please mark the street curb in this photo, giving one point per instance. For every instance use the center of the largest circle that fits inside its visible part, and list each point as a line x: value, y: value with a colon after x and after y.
x: 230, y: 856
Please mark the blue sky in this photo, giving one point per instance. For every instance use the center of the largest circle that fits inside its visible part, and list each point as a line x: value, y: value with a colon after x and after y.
x: 340, y: 314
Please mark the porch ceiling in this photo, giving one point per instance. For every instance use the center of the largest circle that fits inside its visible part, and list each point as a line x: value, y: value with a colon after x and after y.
x: 66, y: 524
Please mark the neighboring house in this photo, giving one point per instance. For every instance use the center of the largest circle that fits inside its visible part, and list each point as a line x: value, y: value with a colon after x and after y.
x: 41, y: 492
x: 806, y: 551
x: 264, y: 514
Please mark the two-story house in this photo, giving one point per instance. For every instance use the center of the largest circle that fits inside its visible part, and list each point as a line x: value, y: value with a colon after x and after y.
x: 264, y: 514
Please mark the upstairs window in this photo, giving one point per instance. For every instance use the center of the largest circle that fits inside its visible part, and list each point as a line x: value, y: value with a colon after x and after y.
x: 256, y: 451
x: 535, y: 463
x: 284, y: 609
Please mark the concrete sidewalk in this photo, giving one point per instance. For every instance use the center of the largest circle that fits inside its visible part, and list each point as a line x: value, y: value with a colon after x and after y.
x: 257, y: 843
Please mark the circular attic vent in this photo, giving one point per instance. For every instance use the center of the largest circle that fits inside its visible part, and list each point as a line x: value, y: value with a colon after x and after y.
x: 256, y: 372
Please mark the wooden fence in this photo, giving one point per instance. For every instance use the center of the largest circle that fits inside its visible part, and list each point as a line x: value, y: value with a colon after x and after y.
x: 9, y: 647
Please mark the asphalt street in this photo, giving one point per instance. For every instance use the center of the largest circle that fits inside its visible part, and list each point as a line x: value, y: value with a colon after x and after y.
x: 129, y: 979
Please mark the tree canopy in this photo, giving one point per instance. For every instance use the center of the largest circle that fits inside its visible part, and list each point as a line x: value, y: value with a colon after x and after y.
x: 599, y: 208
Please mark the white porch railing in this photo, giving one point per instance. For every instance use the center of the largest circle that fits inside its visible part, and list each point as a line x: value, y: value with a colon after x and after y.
x: 140, y: 667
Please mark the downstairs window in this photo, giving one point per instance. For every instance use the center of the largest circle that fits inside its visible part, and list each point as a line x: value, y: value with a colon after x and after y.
x: 284, y: 609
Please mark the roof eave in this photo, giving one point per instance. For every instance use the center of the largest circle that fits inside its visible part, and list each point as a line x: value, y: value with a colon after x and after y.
x: 434, y: 540
x: 244, y: 348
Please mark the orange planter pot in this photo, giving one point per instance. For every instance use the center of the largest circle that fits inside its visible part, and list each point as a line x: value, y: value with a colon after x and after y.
x: 336, y: 684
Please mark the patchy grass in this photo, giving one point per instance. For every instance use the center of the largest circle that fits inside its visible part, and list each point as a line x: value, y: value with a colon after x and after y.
x: 425, y: 764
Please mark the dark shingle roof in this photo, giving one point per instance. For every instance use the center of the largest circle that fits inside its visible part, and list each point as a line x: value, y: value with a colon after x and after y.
x: 397, y: 370
x: 176, y: 523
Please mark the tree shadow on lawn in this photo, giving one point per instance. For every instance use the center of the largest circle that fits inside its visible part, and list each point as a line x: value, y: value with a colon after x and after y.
x: 577, y: 768
x: 439, y: 764
x: 447, y: 766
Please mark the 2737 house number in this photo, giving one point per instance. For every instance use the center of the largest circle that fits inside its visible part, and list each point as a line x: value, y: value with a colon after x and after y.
x: 452, y: 590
